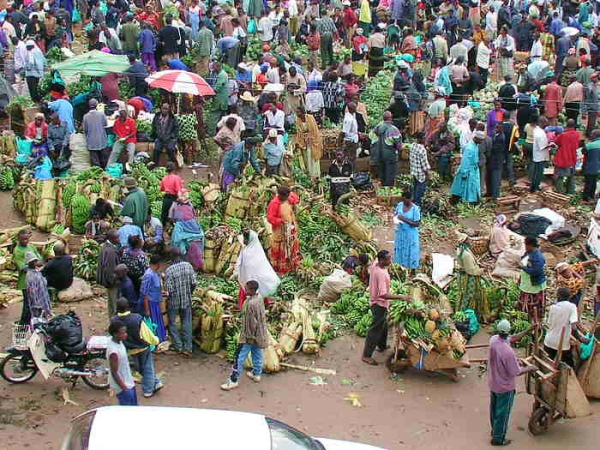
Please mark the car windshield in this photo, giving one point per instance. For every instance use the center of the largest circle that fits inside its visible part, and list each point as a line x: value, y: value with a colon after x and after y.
x: 284, y: 437
x: 79, y: 434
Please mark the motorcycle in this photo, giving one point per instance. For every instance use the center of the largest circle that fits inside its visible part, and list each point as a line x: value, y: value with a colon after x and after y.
x: 34, y: 351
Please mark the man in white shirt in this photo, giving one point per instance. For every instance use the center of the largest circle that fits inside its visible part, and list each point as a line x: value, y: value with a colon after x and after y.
x: 314, y: 99
x: 562, y: 320
x: 459, y: 49
x: 275, y: 119
x: 537, y: 50
x: 483, y: 59
x: 350, y: 129
x: 491, y: 22
x: 265, y: 29
x: 540, y: 154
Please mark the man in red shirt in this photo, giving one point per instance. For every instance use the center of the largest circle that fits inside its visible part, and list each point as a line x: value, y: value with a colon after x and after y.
x: 349, y: 19
x: 171, y: 185
x: 125, y: 131
x: 566, y: 157
x: 379, y: 293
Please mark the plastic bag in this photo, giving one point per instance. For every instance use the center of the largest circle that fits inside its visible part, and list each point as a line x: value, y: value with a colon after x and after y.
x: 115, y: 170
x: 76, y: 16
x: 473, y: 322
x: 65, y: 330
x: 334, y: 284
x: 24, y: 147
x: 44, y: 170
x: 586, y: 349
x: 252, y: 27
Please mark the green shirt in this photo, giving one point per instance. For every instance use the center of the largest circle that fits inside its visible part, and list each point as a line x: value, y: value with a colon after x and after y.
x: 221, y: 91
x: 205, y: 42
x: 130, y: 37
x: 19, y: 254
x: 136, y: 207
x: 528, y: 287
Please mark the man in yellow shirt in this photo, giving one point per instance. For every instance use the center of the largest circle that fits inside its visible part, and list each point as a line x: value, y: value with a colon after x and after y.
x: 139, y: 339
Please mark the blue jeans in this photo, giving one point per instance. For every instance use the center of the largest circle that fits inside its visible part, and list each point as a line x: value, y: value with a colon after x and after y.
x: 185, y: 315
x: 537, y: 175
x: 418, y: 191
x: 242, y: 354
x: 145, y: 365
x: 128, y: 397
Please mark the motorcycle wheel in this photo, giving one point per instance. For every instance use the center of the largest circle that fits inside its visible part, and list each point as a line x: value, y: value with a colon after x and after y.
x: 17, y: 369
x: 100, y: 370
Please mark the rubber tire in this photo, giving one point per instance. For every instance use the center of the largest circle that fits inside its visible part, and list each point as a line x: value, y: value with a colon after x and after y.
x: 90, y: 383
x: 3, y: 374
x: 539, y: 421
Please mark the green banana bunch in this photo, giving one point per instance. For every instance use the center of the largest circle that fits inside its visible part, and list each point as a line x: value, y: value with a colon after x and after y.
x: 80, y: 209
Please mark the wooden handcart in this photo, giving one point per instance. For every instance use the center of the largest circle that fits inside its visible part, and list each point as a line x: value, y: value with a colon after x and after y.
x: 413, y: 354
x: 555, y: 388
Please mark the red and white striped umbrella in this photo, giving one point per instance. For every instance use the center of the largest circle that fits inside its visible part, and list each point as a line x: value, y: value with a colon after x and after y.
x: 180, y: 82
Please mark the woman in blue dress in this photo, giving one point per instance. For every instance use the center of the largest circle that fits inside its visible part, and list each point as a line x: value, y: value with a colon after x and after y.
x: 151, y: 297
x: 466, y: 184
x: 407, y: 248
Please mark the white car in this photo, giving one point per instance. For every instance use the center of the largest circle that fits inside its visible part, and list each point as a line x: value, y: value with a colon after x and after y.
x: 160, y: 428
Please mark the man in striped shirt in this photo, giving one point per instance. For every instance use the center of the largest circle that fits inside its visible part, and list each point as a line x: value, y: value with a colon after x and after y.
x: 419, y: 167
x: 328, y: 31
x: 180, y: 282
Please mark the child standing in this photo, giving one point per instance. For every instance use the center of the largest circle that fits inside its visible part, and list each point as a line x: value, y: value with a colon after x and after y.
x: 253, y: 338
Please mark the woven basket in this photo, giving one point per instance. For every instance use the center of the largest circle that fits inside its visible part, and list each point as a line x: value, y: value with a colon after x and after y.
x: 479, y: 245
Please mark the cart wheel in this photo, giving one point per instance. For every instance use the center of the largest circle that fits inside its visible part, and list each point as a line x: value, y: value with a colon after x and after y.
x: 539, y: 421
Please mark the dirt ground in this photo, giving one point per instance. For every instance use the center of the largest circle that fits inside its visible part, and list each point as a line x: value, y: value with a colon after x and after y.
x: 411, y: 410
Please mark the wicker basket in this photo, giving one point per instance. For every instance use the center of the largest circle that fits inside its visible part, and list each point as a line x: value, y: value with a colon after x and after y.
x: 479, y: 245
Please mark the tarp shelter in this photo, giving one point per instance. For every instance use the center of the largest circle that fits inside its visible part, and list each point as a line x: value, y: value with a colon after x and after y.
x: 94, y: 63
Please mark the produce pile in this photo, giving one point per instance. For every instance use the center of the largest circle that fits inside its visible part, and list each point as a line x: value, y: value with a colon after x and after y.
x: 377, y: 95
x: 45, y: 203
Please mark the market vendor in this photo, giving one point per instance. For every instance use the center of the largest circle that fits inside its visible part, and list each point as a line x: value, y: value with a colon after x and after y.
x: 472, y: 296
x: 499, y: 237
x: 357, y: 264
x: 236, y: 159
x: 284, y: 253
x: 187, y: 235
x: 380, y: 296
x: 340, y: 173
x: 135, y: 204
x: 563, y: 318
x: 58, y: 138
x: 572, y: 277
x: 96, y: 228
x: 533, y: 281
x: 154, y: 235
x: 37, y: 131
x: 125, y: 130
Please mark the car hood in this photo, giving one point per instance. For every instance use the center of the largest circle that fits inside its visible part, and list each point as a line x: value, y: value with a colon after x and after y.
x: 331, y: 444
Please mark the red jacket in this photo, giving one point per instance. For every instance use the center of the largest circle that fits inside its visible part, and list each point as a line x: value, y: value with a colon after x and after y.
x: 274, y: 210
x: 30, y: 131
x: 568, y: 143
x: 126, y: 128
x: 350, y: 18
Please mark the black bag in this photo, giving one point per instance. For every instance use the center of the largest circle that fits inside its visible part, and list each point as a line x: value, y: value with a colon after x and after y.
x: 55, y: 353
x: 65, y: 330
x: 362, y: 181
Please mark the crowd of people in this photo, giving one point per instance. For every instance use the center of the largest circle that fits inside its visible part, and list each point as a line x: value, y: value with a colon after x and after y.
x: 271, y: 105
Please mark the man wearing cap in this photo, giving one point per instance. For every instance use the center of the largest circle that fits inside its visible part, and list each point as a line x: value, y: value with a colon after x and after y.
x: 125, y: 130
x: 94, y: 127
x: 34, y: 69
x: 248, y: 111
x: 135, y: 204
x: 127, y: 230
x: 503, y: 368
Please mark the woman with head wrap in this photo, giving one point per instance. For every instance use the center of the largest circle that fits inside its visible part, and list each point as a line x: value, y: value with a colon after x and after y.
x: 471, y: 294
x: 500, y: 236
